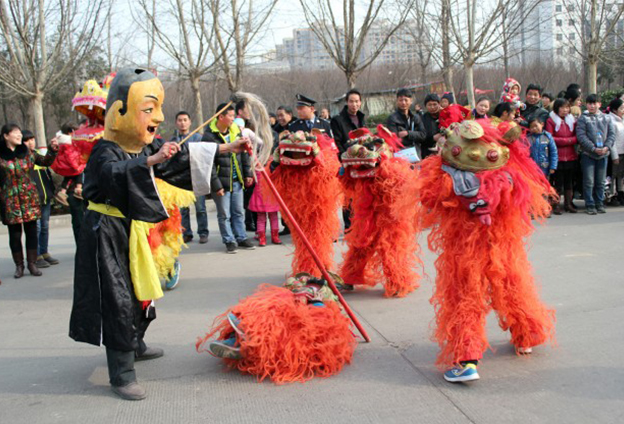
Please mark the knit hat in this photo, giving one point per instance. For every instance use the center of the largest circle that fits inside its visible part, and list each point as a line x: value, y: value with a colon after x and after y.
x: 449, y: 96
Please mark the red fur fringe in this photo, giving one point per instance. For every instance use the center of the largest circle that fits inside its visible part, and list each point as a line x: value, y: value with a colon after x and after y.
x: 313, y: 196
x: 382, y: 238
x: 479, y: 267
x: 286, y: 340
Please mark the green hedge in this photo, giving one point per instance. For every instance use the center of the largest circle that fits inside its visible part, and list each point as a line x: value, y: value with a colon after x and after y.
x: 374, y: 120
x: 608, y: 95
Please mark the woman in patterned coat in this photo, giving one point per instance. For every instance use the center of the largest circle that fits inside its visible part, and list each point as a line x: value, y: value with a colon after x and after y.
x: 19, y: 199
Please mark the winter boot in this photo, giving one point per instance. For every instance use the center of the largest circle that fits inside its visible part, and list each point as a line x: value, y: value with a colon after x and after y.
x: 275, y: 237
x: 31, y: 258
x: 556, y: 207
x: 569, y: 202
x: 262, y: 238
x: 18, y: 258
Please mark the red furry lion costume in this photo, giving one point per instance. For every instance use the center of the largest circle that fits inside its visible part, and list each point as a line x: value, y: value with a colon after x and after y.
x: 478, y: 198
x: 287, y: 334
x: 305, y: 172
x: 382, y: 238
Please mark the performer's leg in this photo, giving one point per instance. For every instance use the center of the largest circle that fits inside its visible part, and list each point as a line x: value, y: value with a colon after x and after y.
x: 398, y: 259
x: 121, y: 370
x: 223, y: 216
x: 76, y: 209
x: 353, y: 268
x: 460, y: 303
x: 515, y: 298
x: 143, y: 319
x: 238, y: 213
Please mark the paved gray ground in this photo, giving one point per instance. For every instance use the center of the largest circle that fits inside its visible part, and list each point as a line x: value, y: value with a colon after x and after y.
x: 47, y: 378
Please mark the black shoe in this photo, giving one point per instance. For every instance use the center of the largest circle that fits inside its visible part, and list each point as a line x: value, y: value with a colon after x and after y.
x: 49, y: 259
x: 42, y: 263
x: 187, y: 239
x: 203, y: 239
x: 132, y: 391
x: 285, y: 231
x: 246, y: 244
x: 601, y: 209
x: 149, y: 353
x: 231, y: 248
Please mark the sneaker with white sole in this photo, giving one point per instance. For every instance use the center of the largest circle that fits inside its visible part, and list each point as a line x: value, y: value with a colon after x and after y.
x: 235, y: 324
x: 461, y: 374
x: 225, y: 349
x: 525, y: 350
x: 174, y: 279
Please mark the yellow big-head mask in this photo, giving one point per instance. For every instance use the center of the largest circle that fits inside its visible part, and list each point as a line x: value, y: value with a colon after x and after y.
x: 134, y: 109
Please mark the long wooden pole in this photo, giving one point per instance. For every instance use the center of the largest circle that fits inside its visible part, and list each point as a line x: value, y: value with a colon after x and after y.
x: 317, y: 260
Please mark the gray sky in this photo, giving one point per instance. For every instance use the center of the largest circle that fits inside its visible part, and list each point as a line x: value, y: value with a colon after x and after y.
x: 288, y: 16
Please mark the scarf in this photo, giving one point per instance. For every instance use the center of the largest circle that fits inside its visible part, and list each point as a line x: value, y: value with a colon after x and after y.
x: 569, y: 120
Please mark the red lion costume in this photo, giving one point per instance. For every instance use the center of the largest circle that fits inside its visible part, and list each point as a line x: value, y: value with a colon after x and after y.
x: 286, y: 334
x: 305, y: 172
x: 478, y: 198
x: 382, y: 238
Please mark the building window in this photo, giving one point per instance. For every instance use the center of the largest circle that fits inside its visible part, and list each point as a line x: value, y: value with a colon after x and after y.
x: 571, y: 22
x: 559, y: 37
x: 559, y: 8
x: 559, y: 22
x: 571, y: 8
x: 572, y: 36
x: 560, y: 51
x: 571, y: 50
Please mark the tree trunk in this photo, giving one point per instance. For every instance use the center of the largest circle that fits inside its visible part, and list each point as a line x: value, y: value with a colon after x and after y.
x: 470, y: 89
x: 37, y: 109
x: 199, y: 114
x: 351, y: 78
x: 592, y: 75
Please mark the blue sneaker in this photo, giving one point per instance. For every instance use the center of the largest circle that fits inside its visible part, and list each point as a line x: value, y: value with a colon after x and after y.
x: 225, y: 349
x: 173, y: 281
x: 235, y: 324
x: 461, y: 374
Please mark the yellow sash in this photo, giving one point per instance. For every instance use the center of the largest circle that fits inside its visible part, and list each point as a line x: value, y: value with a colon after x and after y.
x: 142, y: 268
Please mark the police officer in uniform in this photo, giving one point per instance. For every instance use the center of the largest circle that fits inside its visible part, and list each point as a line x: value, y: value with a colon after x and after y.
x: 307, y: 119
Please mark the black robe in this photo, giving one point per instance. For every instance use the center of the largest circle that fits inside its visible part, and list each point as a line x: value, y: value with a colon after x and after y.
x: 105, y: 308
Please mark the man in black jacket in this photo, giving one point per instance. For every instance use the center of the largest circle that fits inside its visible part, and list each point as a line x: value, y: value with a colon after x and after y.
x: 349, y: 119
x: 405, y: 124
x: 229, y: 177
x: 284, y: 118
x: 307, y: 119
x: 430, y: 122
